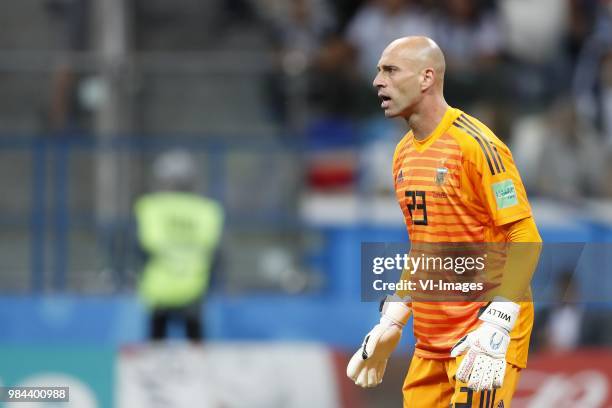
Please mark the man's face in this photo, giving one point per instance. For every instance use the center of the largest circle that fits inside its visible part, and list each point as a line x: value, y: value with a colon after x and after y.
x: 398, y: 83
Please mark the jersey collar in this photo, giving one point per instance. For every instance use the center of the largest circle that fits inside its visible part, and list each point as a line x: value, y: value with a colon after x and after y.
x: 449, y: 117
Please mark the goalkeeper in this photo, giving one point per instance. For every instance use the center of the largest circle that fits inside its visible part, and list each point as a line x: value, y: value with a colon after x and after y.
x: 455, y: 182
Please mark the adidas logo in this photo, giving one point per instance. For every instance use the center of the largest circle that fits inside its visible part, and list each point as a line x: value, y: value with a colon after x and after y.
x: 400, y: 176
x: 501, y: 404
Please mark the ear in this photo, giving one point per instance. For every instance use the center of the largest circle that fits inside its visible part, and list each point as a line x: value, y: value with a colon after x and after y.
x: 429, y: 78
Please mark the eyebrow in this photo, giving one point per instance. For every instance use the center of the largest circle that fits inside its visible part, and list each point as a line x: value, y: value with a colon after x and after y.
x: 385, y: 67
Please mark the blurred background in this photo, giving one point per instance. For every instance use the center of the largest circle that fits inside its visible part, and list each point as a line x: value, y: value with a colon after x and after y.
x: 265, y: 109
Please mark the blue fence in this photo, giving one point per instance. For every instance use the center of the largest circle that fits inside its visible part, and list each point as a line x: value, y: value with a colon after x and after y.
x: 49, y: 217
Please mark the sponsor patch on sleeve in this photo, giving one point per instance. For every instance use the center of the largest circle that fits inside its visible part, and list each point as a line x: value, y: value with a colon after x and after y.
x: 505, y: 194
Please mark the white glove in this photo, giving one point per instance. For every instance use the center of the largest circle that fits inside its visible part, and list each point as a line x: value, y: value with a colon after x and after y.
x: 367, y: 366
x: 484, y: 366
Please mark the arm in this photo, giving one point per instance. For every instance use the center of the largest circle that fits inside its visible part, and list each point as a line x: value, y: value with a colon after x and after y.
x: 522, y: 255
x: 484, y: 364
x: 500, y: 190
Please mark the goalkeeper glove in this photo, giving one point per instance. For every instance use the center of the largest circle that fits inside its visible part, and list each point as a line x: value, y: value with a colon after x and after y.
x: 484, y: 365
x: 367, y: 366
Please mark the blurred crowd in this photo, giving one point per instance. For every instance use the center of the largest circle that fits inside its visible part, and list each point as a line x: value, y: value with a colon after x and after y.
x: 538, y: 72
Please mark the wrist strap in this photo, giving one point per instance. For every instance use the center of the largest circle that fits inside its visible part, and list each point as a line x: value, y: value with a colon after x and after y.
x: 396, y: 310
x: 501, y: 312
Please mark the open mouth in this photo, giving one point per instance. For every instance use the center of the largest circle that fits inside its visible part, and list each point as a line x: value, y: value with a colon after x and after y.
x: 384, y: 99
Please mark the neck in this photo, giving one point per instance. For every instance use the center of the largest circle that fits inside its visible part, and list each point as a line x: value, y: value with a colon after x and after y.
x: 427, y: 116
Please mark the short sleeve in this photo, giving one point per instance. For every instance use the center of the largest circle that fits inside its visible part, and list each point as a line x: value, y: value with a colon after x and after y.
x: 499, y: 182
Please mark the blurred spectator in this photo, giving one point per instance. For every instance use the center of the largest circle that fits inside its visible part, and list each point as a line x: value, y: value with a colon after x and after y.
x: 301, y: 25
x: 471, y: 38
x: 181, y: 24
x: 64, y: 107
x: 559, y: 157
x: 345, y: 10
x: 535, y: 32
x: 180, y: 232
x: 582, y: 17
x: 335, y: 87
x: 469, y: 34
x: 593, y: 77
x: 238, y: 11
x: 66, y: 111
x: 570, y: 163
x: 378, y: 22
x: 298, y: 29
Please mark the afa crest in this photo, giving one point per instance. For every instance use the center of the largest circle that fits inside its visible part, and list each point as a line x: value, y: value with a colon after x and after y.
x: 441, y: 173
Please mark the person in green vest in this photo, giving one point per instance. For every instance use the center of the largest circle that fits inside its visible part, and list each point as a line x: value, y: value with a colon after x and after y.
x: 179, y: 231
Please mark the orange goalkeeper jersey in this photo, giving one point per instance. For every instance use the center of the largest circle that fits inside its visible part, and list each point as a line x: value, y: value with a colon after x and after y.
x: 459, y: 184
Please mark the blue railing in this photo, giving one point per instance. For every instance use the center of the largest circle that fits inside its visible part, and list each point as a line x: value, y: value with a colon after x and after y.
x: 49, y: 213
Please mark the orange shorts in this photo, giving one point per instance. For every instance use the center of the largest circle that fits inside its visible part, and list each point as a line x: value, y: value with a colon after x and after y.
x: 431, y: 384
